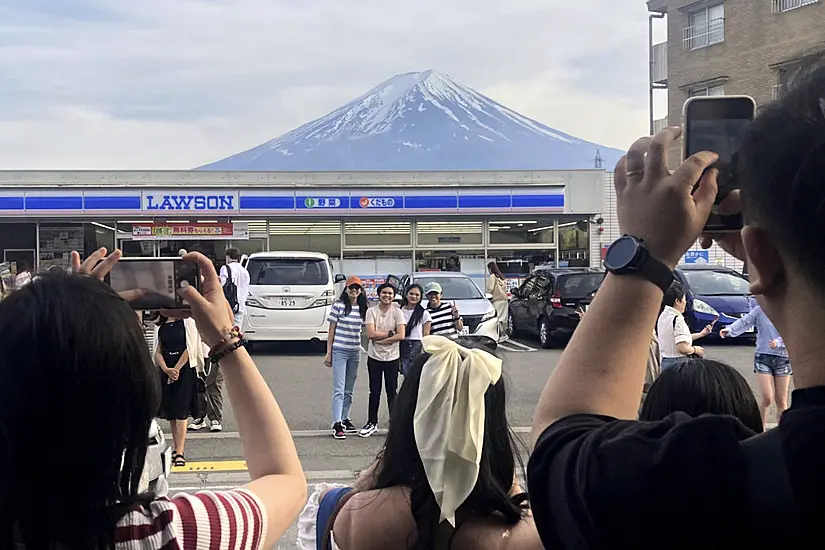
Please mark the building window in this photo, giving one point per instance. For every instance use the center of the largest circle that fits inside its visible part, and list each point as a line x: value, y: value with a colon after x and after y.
x: 780, y: 6
x: 707, y: 90
x: 707, y: 27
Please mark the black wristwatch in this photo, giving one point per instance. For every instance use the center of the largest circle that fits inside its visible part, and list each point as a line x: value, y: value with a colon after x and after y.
x: 628, y: 255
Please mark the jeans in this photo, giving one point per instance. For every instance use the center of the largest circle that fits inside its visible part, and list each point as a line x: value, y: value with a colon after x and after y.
x: 344, y: 373
x: 389, y: 371
x: 668, y: 362
x: 410, y: 349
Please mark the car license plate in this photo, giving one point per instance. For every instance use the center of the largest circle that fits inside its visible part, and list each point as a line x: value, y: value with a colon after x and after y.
x: 464, y: 332
x: 287, y: 302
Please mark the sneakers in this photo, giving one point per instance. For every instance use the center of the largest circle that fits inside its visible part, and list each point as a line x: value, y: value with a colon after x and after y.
x: 215, y: 426
x: 198, y: 424
x: 349, y: 427
x: 368, y: 429
x: 338, y: 431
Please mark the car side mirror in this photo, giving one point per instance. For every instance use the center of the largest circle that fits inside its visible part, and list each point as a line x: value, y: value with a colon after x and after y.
x: 489, y: 296
x: 340, y: 278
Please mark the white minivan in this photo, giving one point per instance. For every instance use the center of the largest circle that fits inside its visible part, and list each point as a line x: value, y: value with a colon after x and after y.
x: 290, y: 295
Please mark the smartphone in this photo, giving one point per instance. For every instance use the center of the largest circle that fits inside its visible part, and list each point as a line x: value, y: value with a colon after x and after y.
x: 158, y: 279
x: 718, y: 124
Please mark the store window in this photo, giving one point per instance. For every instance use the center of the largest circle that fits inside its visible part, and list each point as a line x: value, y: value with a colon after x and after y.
x: 517, y: 265
x: 18, y: 241
x: 522, y: 232
x: 322, y: 236
x: 378, y: 235
x: 574, y: 244
x: 470, y: 262
x: 444, y: 233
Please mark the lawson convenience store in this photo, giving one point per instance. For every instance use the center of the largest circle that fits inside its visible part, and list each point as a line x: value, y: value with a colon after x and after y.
x: 369, y: 223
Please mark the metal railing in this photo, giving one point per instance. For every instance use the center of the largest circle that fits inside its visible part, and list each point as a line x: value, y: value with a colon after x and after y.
x: 704, y: 35
x: 660, y: 124
x: 776, y: 91
x: 780, y: 6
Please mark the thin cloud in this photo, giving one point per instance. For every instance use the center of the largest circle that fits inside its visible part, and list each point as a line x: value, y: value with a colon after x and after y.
x: 156, y: 84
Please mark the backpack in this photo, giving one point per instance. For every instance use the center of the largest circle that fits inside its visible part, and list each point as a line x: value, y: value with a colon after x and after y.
x: 230, y: 291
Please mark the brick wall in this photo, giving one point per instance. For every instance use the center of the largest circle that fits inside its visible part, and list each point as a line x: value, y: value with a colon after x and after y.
x: 756, y: 40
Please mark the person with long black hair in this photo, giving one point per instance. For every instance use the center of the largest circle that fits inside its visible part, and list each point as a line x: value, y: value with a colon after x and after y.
x: 447, y: 474
x: 85, y: 352
x: 346, y: 321
x: 702, y: 386
x: 180, y: 358
x: 418, y: 325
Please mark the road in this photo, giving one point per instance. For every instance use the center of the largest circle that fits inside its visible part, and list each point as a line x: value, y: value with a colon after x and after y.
x: 302, y: 384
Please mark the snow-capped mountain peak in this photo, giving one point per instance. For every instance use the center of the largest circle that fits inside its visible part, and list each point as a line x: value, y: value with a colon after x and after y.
x: 414, y: 121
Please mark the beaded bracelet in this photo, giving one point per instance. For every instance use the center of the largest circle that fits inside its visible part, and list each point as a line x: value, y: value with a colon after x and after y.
x: 216, y: 356
x: 228, y: 335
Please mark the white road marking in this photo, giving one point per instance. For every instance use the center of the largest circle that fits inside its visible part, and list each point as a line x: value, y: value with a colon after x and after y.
x: 516, y: 346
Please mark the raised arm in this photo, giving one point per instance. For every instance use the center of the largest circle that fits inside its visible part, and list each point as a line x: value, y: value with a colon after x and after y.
x: 602, y: 370
x: 277, y: 476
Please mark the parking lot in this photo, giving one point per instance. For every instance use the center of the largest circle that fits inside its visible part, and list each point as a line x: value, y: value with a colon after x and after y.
x: 302, y: 384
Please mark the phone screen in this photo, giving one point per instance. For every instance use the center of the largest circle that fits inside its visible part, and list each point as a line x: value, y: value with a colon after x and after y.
x: 159, y: 280
x: 719, y: 124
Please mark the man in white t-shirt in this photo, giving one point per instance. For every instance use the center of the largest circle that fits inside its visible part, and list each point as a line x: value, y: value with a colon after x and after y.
x: 675, y: 339
x: 214, y: 378
x: 240, y: 277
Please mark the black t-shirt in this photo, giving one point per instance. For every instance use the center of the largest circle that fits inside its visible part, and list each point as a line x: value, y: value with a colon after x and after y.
x: 598, y: 482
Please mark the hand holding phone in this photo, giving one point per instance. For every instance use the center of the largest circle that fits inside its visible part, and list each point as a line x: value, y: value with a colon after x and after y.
x: 718, y: 124
x: 152, y: 284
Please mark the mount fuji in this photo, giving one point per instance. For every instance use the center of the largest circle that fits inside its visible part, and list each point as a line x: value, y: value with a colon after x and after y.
x: 420, y: 122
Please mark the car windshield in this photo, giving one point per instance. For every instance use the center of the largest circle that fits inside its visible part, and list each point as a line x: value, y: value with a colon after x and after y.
x: 287, y: 271
x: 716, y: 283
x: 454, y: 288
x: 580, y: 285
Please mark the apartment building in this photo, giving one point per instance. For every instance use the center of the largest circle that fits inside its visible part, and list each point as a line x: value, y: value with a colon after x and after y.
x: 726, y: 47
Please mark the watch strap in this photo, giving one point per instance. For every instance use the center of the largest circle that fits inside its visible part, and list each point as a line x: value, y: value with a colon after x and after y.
x: 656, y: 271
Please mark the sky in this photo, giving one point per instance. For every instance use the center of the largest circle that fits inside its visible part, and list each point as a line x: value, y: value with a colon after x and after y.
x: 154, y: 84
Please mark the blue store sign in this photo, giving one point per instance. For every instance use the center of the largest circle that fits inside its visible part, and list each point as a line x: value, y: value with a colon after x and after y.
x: 697, y: 257
x: 258, y: 201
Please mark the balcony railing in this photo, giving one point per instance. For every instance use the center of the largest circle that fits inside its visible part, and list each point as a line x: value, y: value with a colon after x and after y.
x: 776, y: 92
x: 660, y: 63
x: 659, y: 125
x: 704, y: 35
x: 780, y: 6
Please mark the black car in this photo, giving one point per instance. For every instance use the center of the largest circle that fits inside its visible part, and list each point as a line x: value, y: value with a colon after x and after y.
x: 546, y: 303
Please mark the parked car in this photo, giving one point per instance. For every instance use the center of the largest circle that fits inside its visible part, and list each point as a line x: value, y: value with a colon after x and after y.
x: 290, y: 295
x: 545, y: 304
x: 714, y: 291
x: 473, y: 305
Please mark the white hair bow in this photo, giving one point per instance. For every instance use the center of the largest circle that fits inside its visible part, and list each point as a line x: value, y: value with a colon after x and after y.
x: 449, y: 418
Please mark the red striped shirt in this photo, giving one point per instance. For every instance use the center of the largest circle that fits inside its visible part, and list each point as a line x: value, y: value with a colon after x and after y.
x: 227, y: 520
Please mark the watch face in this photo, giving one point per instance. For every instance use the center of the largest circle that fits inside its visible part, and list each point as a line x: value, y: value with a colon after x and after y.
x: 621, y: 253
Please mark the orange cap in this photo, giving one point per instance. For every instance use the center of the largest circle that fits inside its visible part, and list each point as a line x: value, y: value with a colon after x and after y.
x: 354, y: 281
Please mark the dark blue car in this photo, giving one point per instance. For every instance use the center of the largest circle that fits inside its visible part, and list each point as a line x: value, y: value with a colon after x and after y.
x: 713, y: 291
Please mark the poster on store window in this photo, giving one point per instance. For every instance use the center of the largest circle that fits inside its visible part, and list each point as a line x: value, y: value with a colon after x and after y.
x: 190, y: 231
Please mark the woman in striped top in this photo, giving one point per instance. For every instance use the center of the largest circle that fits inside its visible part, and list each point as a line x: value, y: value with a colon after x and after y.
x: 85, y: 353
x: 346, y: 319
